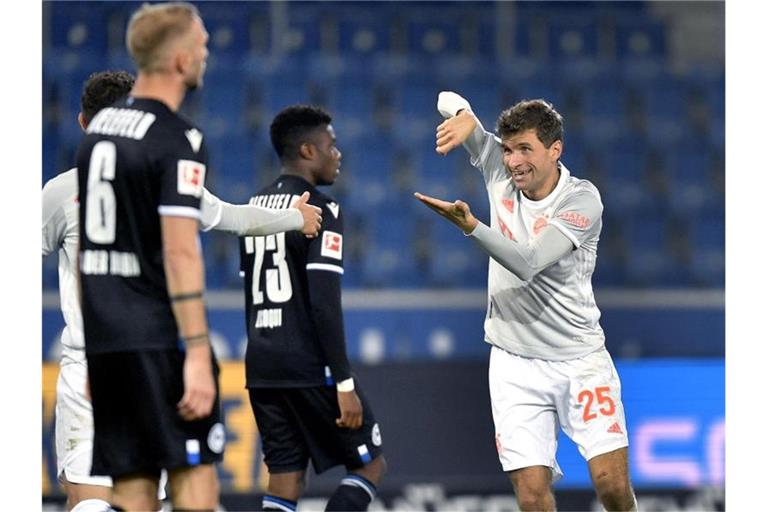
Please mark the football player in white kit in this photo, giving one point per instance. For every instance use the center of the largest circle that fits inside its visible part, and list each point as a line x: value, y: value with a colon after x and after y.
x: 549, y: 367
x: 74, y: 415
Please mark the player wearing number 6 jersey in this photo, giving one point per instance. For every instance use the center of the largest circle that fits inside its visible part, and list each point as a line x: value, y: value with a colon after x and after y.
x: 141, y: 172
x: 548, y: 365
x: 306, y: 402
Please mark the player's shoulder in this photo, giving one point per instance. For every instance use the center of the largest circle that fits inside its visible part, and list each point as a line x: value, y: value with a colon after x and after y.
x: 167, y: 122
x: 61, y: 186
x: 331, y: 209
x: 576, y: 186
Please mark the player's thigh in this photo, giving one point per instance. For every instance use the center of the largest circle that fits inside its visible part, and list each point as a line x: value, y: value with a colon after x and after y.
x: 74, y: 428
x: 194, y: 488
x: 591, y: 411
x: 282, y: 439
x: 524, y: 413
x: 330, y: 445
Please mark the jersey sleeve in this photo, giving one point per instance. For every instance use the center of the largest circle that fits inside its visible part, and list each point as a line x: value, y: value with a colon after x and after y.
x: 326, y: 252
x: 55, y: 193
x: 578, y: 216
x: 183, y: 171
x: 485, y: 154
x: 325, y: 266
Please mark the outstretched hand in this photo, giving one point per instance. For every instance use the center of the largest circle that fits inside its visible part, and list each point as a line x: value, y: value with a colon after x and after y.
x: 457, y: 212
x: 311, y: 214
x: 454, y: 131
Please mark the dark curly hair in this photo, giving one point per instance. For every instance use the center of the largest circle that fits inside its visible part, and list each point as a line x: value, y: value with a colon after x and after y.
x: 532, y: 114
x: 103, y: 89
x: 293, y: 126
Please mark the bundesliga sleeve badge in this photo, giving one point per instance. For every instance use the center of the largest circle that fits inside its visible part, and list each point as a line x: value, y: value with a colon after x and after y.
x: 191, y: 177
x: 331, y: 245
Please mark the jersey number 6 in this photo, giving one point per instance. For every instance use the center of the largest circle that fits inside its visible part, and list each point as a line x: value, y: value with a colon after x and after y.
x: 602, y: 399
x: 278, y: 280
x: 100, y: 206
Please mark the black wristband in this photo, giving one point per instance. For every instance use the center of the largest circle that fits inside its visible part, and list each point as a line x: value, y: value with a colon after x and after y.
x: 186, y: 296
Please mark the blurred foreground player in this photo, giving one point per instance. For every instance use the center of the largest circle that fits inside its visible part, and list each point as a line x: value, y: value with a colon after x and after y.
x: 549, y: 367
x: 74, y: 416
x: 304, y: 397
x: 141, y: 170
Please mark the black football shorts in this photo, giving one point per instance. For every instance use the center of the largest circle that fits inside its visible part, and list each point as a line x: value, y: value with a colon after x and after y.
x: 137, y: 426
x: 299, y: 424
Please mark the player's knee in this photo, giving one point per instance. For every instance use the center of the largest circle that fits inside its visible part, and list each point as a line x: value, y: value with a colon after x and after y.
x: 533, y: 500
x: 377, y: 467
x: 532, y: 493
x: 614, y: 492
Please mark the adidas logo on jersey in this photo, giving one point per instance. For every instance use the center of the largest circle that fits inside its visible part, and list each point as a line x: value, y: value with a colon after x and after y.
x: 615, y: 428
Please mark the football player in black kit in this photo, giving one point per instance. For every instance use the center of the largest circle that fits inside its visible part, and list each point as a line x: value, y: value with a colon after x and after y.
x: 141, y: 171
x: 305, y: 399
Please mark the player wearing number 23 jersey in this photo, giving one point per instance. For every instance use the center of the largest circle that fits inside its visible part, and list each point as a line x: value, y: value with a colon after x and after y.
x: 304, y: 396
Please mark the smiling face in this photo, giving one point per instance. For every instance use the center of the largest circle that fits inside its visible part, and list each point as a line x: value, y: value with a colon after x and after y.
x: 531, y: 134
x: 531, y: 165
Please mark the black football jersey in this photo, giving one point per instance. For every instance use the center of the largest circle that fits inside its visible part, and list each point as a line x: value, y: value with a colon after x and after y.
x: 138, y: 160
x: 283, y: 345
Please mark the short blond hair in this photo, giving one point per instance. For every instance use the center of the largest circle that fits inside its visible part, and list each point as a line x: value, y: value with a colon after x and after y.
x: 152, y: 27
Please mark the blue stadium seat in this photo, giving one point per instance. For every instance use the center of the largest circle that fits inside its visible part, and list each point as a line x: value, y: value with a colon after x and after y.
x: 691, y: 191
x: 302, y: 35
x: 352, y: 98
x: 707, y: 236
x: 362, y: 33
x: 571, y: 37
x: 623, y: 173
x: 224, y: 100
x: 455, y: 262
x: 389, y: 258
x: 649, y: 261
x: 233, y: 163
x: 279, y: 94
x: 604, y: 109
x: 641, y: 72
x: 640, y: 37
x: 433, y: 32
x: 608, y: 271
x: 665, y: 107
x: 78, y: 26
x: 543, y: 86
x: 229, y: 26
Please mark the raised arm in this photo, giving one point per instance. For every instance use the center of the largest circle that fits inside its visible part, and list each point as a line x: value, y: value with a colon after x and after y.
x: 525, y: 261
x: 463, y: 127
x: 250, y: 220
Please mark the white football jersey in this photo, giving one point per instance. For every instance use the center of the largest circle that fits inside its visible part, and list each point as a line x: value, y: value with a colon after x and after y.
x: 60, y: 221
x: 553, y: 316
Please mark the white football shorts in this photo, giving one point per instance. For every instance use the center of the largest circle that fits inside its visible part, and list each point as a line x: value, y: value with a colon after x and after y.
x: 74, y: 427
x: 74, y: 430
x: 533, y: 398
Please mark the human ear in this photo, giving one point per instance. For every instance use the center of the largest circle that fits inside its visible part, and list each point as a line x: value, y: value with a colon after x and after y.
x: 307, y: 150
